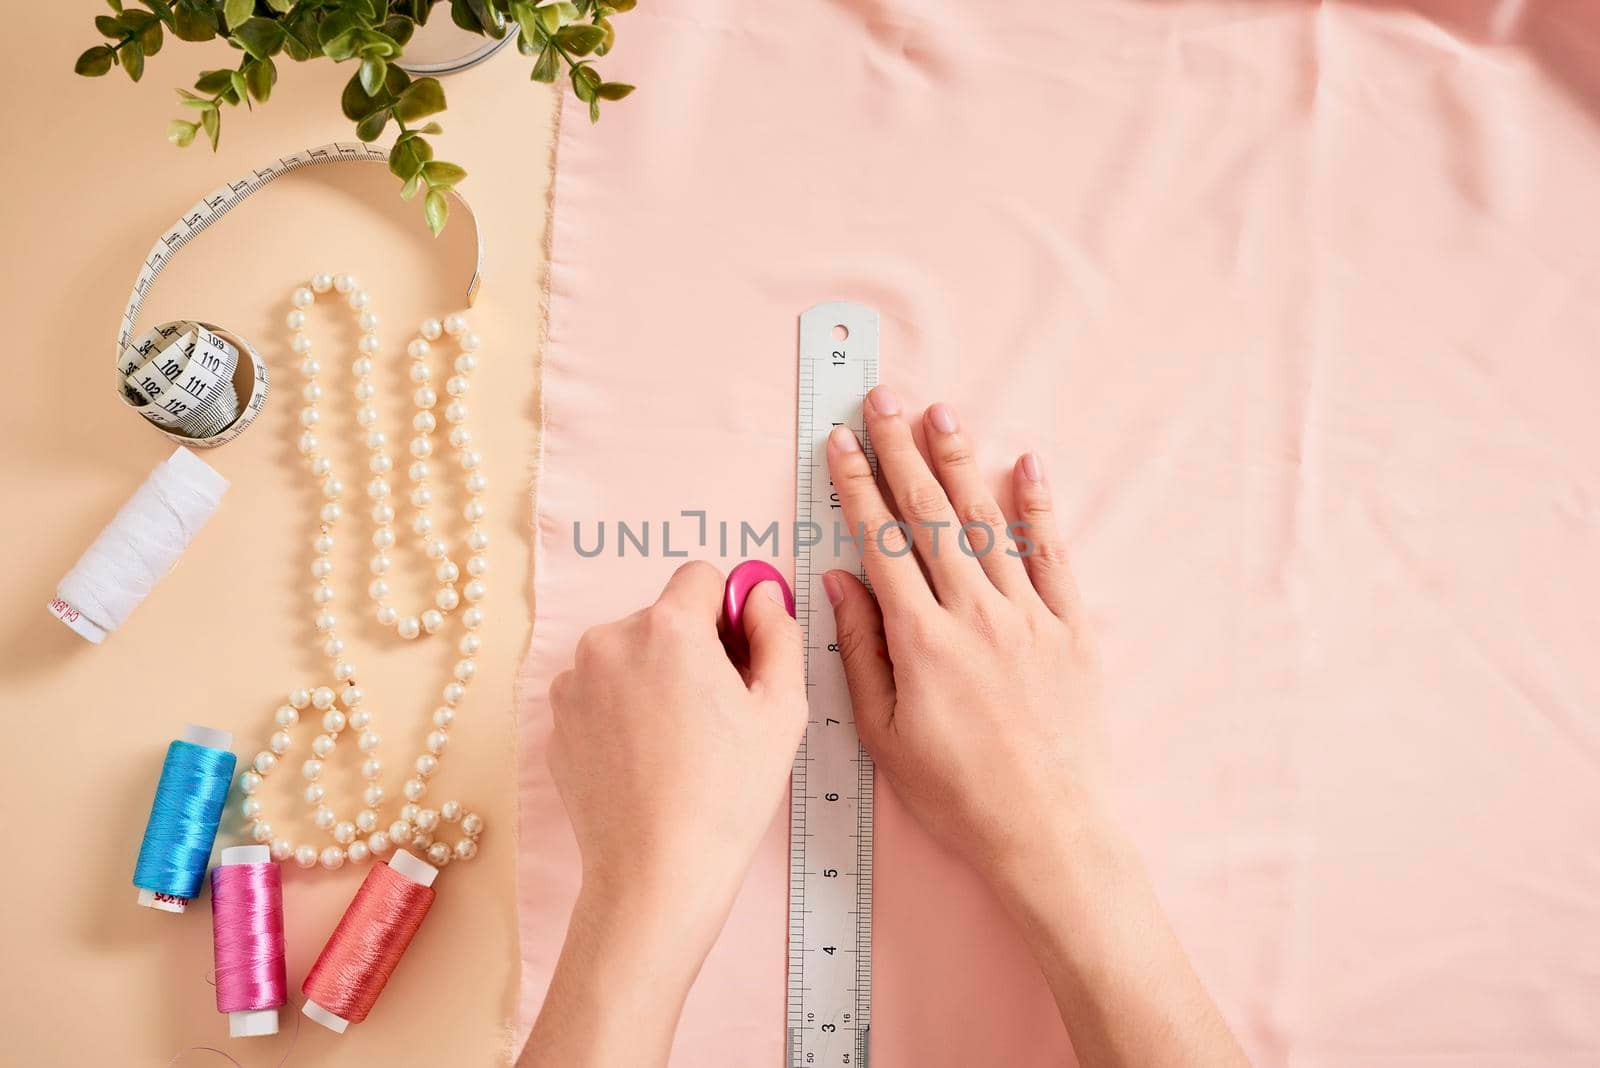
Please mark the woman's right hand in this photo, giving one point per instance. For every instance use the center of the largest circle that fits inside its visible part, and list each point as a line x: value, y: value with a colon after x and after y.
x: 976, y: 691
x: 972, y: 676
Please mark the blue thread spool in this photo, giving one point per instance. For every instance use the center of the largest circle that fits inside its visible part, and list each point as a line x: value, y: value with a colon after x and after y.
x: 183, y: 819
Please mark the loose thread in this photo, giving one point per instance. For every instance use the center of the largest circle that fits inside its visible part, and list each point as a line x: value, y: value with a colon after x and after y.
x: 182, y: 1053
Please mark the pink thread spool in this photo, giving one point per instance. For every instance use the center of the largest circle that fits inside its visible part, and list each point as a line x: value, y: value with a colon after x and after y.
x: 247, y: 939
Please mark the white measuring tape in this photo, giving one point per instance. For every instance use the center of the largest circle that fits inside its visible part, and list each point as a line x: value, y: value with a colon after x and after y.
x: 830, y: 808
x: 198, y: 383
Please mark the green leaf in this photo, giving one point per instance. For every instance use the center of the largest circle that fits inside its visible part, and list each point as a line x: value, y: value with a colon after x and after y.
x: 261, y: 37
x: 151, y: 38
x: 550, y: 19
x: 337, y: 35
x: 192, y: 25
x: 342, y: 47
x: 212, y: 121
x: 302, y: 42
x: 397, y: 80
x: 549, y: 65
x: 585, y: 82
x: 181, y: 133
x: 409, y: 190
x: 373, y: 43
x: 373, y: 72
x: 526, y: 16
x: 620, y: 6
x: 594, y: 111
x: 236, y: 82
x: 108, y: 26
x: 132, y: 55
x: 371, y: 128
x: 431, y: 128
x: 613, y: 90
x: 528, y: 23
x: 235, y: 12
x: 610, y: 39
x: 213, y: 81
x: 421, y: 98
x: 437, y: 210
x: 95, y: 62
x: 581, y: 39
x: 441, y: 174
x: 356, y: 102
x: 261, y: 76
x: 280, y: 6
x: 489, y: 17
x: 115, y: 5
x: 133, y: 21
x: 462, y: 16
x: 338, y: 22
x: 398, y: 29
x: 407, y: 157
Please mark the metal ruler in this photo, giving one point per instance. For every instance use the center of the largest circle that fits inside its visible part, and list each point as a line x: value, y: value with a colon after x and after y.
x: 830, y: 808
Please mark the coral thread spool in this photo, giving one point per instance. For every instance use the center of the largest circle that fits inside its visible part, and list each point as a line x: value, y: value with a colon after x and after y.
x: 183, y: 821
x: 366, y: 946
x: 247, y: 938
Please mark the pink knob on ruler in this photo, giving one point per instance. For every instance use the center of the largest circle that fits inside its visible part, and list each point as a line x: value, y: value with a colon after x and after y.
x: 741, y: 580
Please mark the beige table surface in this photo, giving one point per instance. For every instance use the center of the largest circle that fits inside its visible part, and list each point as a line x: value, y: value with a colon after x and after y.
x: 90, y: 182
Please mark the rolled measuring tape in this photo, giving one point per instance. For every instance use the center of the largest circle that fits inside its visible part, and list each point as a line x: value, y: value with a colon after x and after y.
x: 198, y: 383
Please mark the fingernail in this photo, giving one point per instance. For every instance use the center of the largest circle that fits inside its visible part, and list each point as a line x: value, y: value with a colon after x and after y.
x: 832, y: 587
x: 844, y: 439
x: 1031, y: 467
x: 771, y: 589
x: 884, y: 402
x: 943, y: 419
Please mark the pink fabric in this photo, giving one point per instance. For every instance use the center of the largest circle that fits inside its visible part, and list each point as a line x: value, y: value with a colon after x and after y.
x: 1298, y: 300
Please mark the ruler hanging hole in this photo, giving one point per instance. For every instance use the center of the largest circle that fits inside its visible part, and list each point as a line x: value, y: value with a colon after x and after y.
x: 840, y: 332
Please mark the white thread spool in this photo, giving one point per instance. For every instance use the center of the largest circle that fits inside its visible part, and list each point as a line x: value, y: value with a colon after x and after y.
x: 140, y: 545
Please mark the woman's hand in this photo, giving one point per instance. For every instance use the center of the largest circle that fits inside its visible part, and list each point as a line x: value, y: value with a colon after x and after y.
x: 971, y: 673
x: 671, y: 762
x: 975, y: 690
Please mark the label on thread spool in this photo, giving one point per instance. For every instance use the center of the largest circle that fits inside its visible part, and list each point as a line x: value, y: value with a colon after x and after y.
x: 173, y: 375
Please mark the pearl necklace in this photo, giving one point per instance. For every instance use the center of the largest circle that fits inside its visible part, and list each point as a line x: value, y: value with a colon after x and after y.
x: 366, y: 836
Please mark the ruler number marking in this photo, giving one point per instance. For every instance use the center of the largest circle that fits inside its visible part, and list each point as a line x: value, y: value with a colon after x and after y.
x: 830, y: 853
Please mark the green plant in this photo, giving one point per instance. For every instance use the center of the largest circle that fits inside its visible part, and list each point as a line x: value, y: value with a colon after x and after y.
x: 372, y: 34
